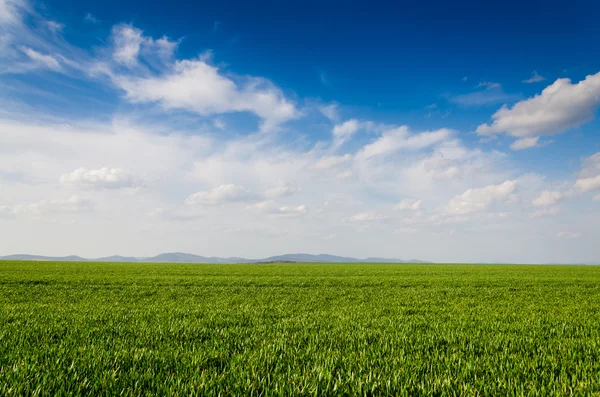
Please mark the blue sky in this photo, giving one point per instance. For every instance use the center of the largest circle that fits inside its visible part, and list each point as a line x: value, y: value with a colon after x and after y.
x: 444, y: 132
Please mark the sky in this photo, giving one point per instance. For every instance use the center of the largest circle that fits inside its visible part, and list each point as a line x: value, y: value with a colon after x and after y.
x: 441, y: 132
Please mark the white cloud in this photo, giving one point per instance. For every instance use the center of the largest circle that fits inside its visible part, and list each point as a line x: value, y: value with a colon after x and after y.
x: 343, y: 132
x: 535, y: 78
x: 287, y: 211
x: 198, y: 87
x: 170, y: 162
x: 545, y: 212
x: 164, y: 47
x: 127, y: 42
x: 408, y: 204
x: 597, y: 198
x: 222, y: 194
x: 548, y: 197
x: 479, y: 199
x: 130, y: 44
x: 559, y: 107
x: 525, y: 143
x: 42, y: 60
x: 589, y: 177
x: 400, y: 138
x: 568, y: 235
x: 368, y: 216
x: 103, y: 178
x: 587, y: 184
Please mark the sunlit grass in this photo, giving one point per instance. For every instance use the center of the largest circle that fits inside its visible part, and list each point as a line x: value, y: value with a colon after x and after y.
x: 306, y: 329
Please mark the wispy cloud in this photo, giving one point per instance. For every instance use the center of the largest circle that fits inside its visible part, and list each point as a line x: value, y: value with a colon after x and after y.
x: 90, y: 18
x: 484, y: 98
x: 489, y: 85
x: 535, y: 78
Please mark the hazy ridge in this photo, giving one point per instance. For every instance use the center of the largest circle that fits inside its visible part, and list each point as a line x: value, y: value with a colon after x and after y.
x: 180, y: 257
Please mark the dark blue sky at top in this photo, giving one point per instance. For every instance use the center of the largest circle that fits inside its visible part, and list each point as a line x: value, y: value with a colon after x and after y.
x: 385, y: 61
x: 369, y: 52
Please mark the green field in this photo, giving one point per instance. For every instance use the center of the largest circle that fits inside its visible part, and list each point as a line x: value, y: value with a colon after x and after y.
x: 298, y: 329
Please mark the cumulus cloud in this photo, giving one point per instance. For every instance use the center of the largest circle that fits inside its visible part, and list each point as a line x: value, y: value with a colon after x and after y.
x: 196, y: 86
x: 535, y: 78
x: 221, y: 194
x: 561, y: 106
x: 408, y: 204
x: 548, y: 197
x: 193, y: 85
x: 129, y: 43
x: 479, y: 199
x: 585, y: 185
x: 344, y: 131
x: 103, y: 178
x: 589, y: 177
x: 400, y: 138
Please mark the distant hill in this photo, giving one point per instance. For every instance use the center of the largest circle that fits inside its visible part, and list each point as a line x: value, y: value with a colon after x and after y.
x: 180, y: 257
x: 24, y: 257
x: 325, y: 258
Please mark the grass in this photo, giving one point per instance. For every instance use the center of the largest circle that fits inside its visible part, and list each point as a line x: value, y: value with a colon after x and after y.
x: 311, y: 329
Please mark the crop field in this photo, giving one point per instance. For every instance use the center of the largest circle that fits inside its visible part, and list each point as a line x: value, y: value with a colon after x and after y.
x: 298, y: 329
